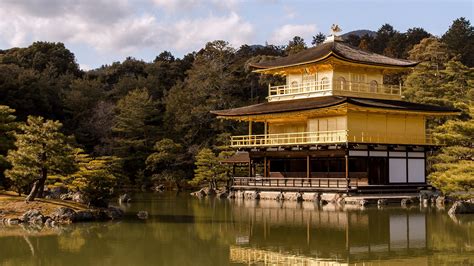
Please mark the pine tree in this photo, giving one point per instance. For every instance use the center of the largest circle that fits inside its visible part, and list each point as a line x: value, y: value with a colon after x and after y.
x: 460, y: 39
x: 41, y: 150
x: 97, y: 178
x: 453, y: 166
x: 135, y: 129
x: 167, y: 161
x: 318, y: 39
x: 444, y: 81
x: 209, y: 169
x: 295, y: 45
x: 7, y: 128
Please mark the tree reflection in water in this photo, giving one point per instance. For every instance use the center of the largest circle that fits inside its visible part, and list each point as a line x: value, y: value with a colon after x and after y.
x: 187, y: 231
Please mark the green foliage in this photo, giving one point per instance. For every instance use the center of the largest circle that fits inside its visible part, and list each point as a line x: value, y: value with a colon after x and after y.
x: 166, y: 161
x: 318, y: 39
x: 211, y: 84
x: 439, y: 81
x: 96, y: 177
x: 134, y: 129
x: 7, y: 128
x: 449, y: 83
x: 41, y: 150
x: 453, y: 170
x: 432, y: 51
x: 30, y: 92
x: 460, y: 39
x: 210, y: 169
x: 110, y: 114
x: 295, y: 45
x: 43, y: 56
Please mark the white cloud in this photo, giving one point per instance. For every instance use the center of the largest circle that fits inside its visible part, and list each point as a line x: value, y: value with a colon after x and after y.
x: 180, y: 5
x: 288, y: 31
x: 114, y: 26
x: 85, y: 67
x: 197, y: 32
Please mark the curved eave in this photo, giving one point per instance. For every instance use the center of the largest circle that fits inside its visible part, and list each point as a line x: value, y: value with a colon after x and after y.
x: 323, y: 58
x: 334, y: 108
x: 363, y: 108
x: 241, y: 116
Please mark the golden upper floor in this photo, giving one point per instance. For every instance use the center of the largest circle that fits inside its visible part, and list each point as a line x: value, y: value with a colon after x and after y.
x: 334, y: 68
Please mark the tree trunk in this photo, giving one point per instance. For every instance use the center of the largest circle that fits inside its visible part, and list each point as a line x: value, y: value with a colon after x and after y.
x: 33, y: 192
x: 41, y: 184
x: 38, y: 186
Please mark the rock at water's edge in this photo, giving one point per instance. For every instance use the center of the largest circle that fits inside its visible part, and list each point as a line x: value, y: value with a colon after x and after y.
x: 64, y: 214
x: 461, y: 207
x: 143, y: 215
x: 124, y: 198
x: 33, y: 217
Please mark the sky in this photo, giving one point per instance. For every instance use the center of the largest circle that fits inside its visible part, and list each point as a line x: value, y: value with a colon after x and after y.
x: 100, y: 32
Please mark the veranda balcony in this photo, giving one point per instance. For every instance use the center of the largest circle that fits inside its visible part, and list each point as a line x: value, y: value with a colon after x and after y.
x: 325, y: 137
x: 334, y: 87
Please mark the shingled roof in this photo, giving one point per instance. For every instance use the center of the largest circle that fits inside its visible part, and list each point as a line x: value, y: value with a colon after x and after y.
x: 338, y: 49
x: 328, y: 101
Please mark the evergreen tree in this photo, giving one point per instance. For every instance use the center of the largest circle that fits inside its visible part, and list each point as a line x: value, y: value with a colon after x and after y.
x: 352, y: 39
x: 367, y: 43
x: 41, y: 150
x: 212, y: 84
x: 318, y: 39
x: 96, y: 178
x: 460, y: 39
x: 167, y: 161
x: 295, y: 45
x: 50, y: 57
x: 413, y: 36
x: 209, y: 169
x: 79, y: 103
x: 7, y: 128
x: 453, y: 166
x: 432, y: 52
x: 383, y: 37
x: 449, y: 83
x: 135, y: 129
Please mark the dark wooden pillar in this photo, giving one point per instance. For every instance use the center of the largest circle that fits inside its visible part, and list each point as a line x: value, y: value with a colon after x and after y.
x: 347, y: 169
x: 308, y: 167
x: 269, y: 162
x: 250, y: 168
x: 265, y: 171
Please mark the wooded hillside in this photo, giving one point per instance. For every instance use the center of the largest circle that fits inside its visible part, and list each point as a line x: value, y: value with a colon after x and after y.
x: 126, y: 109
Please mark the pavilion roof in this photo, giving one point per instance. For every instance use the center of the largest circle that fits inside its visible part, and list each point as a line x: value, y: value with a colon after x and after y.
x: 337, y: 49
x: 329, y: 101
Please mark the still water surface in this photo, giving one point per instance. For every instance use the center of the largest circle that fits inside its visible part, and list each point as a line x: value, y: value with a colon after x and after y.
x: 182, y: 230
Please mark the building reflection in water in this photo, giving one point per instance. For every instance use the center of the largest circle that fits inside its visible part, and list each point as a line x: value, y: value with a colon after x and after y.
x: 302, y: 233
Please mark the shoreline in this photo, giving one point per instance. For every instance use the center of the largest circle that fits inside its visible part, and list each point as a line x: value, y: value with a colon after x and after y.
x: 14, y: 210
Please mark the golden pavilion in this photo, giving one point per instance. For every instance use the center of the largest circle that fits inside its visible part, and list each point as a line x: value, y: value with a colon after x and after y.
x: 334, y: 125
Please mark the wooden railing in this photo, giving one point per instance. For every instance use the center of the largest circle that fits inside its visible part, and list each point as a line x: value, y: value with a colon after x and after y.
x: 337, y: 136
x: 292, y: 182
x: 312, y: 86
x: 326, y: 137
x: 364, y: 137
x: 337, y: 86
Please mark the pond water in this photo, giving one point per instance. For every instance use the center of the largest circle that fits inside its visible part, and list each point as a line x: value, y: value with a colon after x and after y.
x: 182, y: 230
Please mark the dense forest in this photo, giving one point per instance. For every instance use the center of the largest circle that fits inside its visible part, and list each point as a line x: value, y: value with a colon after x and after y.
x: 138, y: 122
